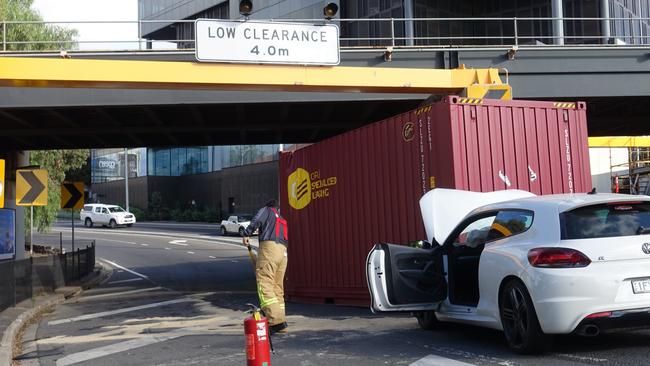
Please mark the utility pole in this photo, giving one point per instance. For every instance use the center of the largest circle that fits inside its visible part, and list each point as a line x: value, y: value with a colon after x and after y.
x: 126, y: 176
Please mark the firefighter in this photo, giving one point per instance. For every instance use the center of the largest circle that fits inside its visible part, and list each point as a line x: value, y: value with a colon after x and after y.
x: 271, y: 263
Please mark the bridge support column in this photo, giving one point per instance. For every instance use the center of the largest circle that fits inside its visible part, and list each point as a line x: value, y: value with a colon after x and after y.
x: 409, y: 30
x: 14, y: 160
x: 557, y: 11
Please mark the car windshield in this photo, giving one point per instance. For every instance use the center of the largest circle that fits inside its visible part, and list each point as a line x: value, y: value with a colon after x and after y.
x: 242, y: 218
x: 606, y: 220
x: 116, y: 209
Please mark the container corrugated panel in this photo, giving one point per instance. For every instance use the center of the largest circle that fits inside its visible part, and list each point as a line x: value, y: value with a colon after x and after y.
x: 344, y: 194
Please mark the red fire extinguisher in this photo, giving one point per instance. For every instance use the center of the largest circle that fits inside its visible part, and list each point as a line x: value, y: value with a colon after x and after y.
x: 258, y: 348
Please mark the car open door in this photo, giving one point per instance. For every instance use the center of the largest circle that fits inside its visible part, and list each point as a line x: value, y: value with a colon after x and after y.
x: 402, y: 278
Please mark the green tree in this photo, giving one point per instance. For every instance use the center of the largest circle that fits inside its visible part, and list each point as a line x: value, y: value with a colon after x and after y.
x: 50, y: 37
x: 57, y: 163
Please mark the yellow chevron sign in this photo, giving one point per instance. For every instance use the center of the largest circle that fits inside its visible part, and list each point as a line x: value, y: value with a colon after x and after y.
x: 2, y: 183
x: 31, y: 187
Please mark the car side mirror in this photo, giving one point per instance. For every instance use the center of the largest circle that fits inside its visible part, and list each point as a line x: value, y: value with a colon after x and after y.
x: 421, y: 244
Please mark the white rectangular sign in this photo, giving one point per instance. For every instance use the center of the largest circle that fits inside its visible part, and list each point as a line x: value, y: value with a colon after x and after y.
x: 266, y: 42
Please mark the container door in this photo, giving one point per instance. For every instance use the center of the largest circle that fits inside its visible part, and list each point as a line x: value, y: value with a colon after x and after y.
x: 403, y: 279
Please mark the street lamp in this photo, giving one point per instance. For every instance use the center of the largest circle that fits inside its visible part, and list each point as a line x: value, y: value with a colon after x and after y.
x: 330, y: 10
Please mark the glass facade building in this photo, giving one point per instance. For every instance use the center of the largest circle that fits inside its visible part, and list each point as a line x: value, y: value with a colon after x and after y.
x: 108, y: 164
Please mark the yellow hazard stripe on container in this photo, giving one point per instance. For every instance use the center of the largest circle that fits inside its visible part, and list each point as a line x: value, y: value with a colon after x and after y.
x: 470, y: 101
x: 419, y: 111
x: 564, y: 105
x: 620, y: 141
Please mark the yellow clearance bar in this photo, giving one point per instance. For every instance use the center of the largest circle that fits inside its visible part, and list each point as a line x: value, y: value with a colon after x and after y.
x: 620, y: 141
x: 57, y: 72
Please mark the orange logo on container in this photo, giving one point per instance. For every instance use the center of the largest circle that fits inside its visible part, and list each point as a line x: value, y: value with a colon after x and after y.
x: 408, y: 132
x: 299, y: 186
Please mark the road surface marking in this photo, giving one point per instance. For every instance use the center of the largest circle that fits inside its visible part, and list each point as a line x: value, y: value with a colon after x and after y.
x: 114, y: 348
x: 582, y: 358
x: 213, y: 257
x: 145, y: 245
x: 92, y: 297
x: 179, y: 242
x: 168, y: 248
x: 125, y: 281
x: 118, y: 311
x: 190, y: 252
x: 433, y: 360
x: 124, y: 268
x: 234, y: 261
x: 216, y: 240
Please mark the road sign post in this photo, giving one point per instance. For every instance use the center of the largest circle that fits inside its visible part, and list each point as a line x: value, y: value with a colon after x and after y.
x: 31, y: 190
x: 72, y: 198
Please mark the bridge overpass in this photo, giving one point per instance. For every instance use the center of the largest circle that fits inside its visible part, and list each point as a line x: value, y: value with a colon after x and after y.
x: 613, y: 79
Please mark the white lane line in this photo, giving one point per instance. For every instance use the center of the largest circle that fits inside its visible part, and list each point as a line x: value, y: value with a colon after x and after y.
x: 114, y: 348
x: 234, y: 261
x: 190, y: 252
x: 168, y: 248
x: 125, y: 281
x: 433, y: 360
x: 583, y: 358
x: 213, y: 257
x: 145, y: 245
x: 179, y: 242
x: 124, y: 268
x: 216, y: 240
x: 119, y: 241
x: 112, y: 294
x: 118, y: 311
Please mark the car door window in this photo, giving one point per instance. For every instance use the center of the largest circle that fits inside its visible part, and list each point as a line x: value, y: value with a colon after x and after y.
x: 98, y: 209
x: 510, y: 222
x: 104, y: 211
x: 475, y: 233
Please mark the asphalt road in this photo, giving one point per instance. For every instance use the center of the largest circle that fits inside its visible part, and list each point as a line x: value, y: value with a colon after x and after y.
x: 178, y: 293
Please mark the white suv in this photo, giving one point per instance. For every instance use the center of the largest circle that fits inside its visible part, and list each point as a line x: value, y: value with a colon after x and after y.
x: 101, y: 214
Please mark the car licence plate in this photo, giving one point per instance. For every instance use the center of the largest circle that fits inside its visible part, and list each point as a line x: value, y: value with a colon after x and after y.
x: 641, y: 286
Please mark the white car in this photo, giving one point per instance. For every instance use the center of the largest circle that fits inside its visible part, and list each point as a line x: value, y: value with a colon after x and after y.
x: 235, y: 224
x: 530, y: 266
x: 106, y: 215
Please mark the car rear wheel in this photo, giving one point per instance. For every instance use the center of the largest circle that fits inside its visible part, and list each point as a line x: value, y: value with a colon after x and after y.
x: 241, y: 231
x: 88, y: 222
x: 112, y: 224
x: 224, y: 232
x: 427, y: 320
x: 520, y: 324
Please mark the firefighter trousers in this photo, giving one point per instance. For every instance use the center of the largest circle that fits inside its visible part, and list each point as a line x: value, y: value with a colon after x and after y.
x: 269, y: 272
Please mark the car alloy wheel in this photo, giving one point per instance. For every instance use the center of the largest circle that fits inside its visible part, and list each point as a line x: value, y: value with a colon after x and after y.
x: 224, y: 232
x: 112, y: 224
x: 241, y: 231
x: 88, y: 222
x: 520, y: 324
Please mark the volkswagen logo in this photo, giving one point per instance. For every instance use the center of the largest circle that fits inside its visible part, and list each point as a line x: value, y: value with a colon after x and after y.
x: 646, y: 248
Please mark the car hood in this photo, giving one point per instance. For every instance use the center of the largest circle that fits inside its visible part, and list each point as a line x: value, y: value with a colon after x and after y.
x: 443, y: 209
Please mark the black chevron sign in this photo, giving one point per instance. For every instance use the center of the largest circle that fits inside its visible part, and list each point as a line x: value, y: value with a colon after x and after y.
x: 31, y: 187
x: 72, y: 195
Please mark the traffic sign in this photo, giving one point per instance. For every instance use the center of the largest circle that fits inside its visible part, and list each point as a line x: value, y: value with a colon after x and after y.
x: 72, y: 195
x: 266, y: 42
x: 2, y: 183
x: 31, y: 187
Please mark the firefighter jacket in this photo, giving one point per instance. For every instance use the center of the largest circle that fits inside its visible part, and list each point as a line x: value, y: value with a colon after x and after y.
x: 272, y: 226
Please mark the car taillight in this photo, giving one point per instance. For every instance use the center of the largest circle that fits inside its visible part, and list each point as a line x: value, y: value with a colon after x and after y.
x: 557, y: 258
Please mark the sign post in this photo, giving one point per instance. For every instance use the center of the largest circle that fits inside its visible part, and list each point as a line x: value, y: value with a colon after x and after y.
x: 267, y: 42
x: 72, y: 198
x: 31, y: 190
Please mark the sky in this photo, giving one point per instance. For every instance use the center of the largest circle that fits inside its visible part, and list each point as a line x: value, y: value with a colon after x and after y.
x: 95, y: 10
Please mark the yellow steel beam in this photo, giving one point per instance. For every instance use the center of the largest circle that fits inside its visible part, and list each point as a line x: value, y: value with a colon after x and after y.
x: 55, y: 72
x: 620, y: 141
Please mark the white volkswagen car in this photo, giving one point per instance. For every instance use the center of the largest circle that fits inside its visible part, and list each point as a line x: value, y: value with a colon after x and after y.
x: 530, y: 266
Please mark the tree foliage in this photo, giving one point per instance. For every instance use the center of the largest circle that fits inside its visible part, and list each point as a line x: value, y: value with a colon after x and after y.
x: 48, y: 36
x: 57, y: 163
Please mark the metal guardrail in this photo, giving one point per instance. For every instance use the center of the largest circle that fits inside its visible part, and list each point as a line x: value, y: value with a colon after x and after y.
x: 402, y: 34
x: 22, y: 279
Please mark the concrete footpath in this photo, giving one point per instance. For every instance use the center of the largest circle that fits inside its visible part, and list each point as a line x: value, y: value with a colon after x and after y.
x: 13, y: 321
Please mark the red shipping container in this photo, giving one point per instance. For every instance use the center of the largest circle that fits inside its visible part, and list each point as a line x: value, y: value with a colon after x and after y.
x: 345, y: 194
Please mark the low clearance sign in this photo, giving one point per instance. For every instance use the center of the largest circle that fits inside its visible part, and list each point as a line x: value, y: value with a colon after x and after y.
x: 266, y: 42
